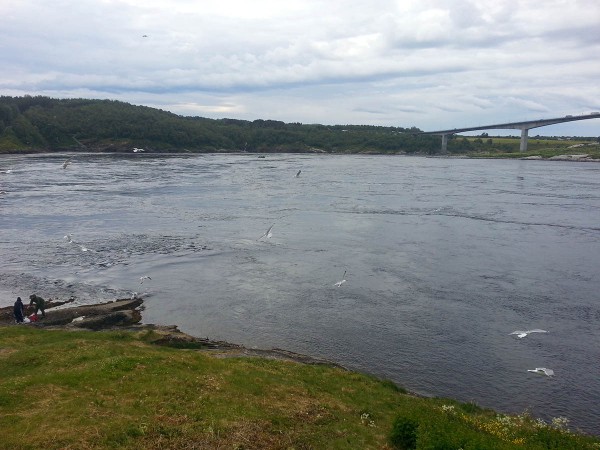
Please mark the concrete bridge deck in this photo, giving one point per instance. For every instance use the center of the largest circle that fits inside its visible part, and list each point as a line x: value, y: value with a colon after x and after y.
x: 523, y: 126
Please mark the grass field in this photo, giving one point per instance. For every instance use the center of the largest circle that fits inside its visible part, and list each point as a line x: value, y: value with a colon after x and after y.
x: 95, y: 390
x: 508, y: 147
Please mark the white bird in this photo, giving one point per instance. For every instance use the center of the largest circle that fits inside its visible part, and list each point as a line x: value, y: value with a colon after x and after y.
x: 522, y: 334
x: 298, y: 174
x: 342, y: 281
x: 67, y: 162
x: 69, y: 238
x: 542, y: 370
x: 145, y: 277
x: 136, y: 150
x: 268, y: 233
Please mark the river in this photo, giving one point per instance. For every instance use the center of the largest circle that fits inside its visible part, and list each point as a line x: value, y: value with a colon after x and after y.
x: 444, y: 258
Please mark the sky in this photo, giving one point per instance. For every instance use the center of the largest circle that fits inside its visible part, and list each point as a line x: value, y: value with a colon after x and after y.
x: 432, y: 64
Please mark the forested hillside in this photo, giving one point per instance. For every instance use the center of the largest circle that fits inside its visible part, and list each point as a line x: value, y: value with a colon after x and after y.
x: 30, y: 124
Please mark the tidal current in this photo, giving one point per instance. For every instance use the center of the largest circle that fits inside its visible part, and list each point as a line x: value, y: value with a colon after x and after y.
x: 444, y: 258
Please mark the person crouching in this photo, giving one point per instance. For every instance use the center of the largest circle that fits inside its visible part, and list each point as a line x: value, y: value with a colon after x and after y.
x: 39, y: 304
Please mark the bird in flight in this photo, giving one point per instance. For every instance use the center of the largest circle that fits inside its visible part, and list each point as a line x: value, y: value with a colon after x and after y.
x: 522, y: 334
x: 542, y: 370
x: 69, y: 239
x: 67, y: 162
x: 268, y: 233
x: 342, y: 281
x: 145, y: 277
x: 298, y: 174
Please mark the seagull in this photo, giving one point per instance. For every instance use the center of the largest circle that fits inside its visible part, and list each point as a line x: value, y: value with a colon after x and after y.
x: 342, y: 281
x: 522, y: 334
x: 136, y: 150
x: 542, y: 370
x: 67, y: 162
x: 298, y: 174
x: 267, y: 234
x: 145, y: 277
x: 69, y: 239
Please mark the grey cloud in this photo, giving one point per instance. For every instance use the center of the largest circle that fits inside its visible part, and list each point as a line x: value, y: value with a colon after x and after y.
x: 348, y: 61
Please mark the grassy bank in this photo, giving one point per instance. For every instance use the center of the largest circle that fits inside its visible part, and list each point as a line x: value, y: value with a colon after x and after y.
x: 507, y: 147
x: 87, y: 390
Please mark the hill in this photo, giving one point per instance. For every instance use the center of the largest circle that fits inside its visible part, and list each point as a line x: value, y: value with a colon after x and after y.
x: 43, y: 124
x: 118, y: 389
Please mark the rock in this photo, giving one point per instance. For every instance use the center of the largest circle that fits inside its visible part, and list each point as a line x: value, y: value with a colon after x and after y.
x: 93, y: 314
x: 107, y: 321
x: 569, y: 157
x: 6, y: 313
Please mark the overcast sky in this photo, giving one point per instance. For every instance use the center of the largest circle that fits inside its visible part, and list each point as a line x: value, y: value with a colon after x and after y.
x: 433, y: 64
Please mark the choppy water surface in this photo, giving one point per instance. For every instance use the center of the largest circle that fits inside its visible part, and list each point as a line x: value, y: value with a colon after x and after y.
x: 444, y: 258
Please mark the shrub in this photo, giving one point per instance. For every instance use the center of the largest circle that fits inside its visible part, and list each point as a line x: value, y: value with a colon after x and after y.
x: 404, y: 433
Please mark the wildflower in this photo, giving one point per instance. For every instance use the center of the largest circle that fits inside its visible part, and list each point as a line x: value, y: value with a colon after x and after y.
x: 365, y: 418
x: 448, y: 409
x: 539, y: 423
x: 560, y: 423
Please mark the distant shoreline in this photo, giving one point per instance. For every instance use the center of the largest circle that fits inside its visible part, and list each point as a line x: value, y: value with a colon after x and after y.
x: 580, y: 157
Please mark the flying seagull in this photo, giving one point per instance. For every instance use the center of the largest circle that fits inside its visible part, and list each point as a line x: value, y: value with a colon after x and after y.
x: 522, y: 334
x: 69, y: 239
x: 342, y: 281
x: 67, y: 162
x: 298, y: 174
x: 145, y: 277
x: 542, y: 370
x: 267, y: 234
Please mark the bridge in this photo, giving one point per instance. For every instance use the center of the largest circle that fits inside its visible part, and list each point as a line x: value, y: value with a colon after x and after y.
x: 523, y: 126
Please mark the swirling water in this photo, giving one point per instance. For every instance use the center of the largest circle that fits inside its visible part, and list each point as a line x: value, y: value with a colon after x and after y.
x: 444, y: 258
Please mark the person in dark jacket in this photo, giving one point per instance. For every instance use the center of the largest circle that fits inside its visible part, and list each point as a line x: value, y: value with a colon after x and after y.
x: 18, y: 311
x: 39, y: 304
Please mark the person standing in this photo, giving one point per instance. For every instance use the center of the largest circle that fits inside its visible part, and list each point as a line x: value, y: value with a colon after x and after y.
x: 18, y: 310
x: 39, y: 304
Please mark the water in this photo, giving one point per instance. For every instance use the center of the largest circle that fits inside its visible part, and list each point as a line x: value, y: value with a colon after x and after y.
x: 444, y: 258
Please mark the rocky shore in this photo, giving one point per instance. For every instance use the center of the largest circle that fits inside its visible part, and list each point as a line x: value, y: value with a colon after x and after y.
x: 126, y: 314
x: 584, y: 157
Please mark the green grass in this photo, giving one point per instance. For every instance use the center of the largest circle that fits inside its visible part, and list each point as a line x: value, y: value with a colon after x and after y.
x: 507, y: 147
x: 86, y: 390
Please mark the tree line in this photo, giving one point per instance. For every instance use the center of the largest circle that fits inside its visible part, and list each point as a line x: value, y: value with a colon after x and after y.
x: 38, y: 123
